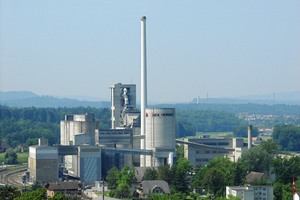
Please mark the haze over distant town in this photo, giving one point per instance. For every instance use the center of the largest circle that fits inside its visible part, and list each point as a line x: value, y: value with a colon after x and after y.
x: 211, y: 49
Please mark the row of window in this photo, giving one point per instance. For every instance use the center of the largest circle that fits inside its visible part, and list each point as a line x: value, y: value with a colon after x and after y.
x: 213, y: 152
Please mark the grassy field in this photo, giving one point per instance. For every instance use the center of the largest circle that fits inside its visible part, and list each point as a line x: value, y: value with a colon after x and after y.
x: 22, y: 157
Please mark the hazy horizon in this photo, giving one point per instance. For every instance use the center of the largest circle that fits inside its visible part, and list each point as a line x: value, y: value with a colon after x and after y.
x: 216, y: 49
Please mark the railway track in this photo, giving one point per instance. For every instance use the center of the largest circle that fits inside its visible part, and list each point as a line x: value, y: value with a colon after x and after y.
x: 12, y: 177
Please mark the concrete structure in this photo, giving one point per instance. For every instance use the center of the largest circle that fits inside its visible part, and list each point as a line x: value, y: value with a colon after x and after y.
x: 117, y: 138
x: 124, y: 118
x: 199, y: 151
x: 90, y: 164
x: 77, y: 130
x: 43, y: 163
x: 249, y: 136
x: 143, y: 84
x: 262, y: 192
x: 78, y: 124
x: 160, y: 135
x: 123, y: 100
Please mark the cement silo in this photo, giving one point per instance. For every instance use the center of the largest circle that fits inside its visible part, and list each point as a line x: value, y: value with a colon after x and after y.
x: 78, y: 124
x: 77, y: 130
x: 160, y: 135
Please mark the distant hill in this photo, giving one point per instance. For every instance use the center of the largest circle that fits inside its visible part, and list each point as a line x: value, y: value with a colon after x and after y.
x: 29, y: 99
x: 13, y: 95
x: 290, y: 98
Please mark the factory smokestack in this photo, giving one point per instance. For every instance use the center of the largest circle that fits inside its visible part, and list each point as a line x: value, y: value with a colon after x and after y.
x: 143, y: 84
x: 249, y: 136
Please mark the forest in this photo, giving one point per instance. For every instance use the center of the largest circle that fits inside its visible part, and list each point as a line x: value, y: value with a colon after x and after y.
x: 26, y: 125
x: 287, y: 136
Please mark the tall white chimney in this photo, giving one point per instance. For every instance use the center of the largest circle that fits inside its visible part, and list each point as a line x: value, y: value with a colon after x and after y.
x: 143, y: 84
x: 249, y: 136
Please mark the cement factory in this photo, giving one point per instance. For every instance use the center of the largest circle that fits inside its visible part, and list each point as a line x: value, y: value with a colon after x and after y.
x: 142, y: 137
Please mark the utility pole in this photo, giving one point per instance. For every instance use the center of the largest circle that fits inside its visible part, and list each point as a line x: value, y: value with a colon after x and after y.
x: 103, y: 188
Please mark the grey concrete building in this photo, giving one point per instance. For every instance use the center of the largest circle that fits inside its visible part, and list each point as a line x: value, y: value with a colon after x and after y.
x: 43, y: 163
x: 199, y: 151
x: 123, y: 100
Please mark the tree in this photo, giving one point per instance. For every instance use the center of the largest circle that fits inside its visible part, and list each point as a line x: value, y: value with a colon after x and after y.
x: 164, y: 173
x: 112, y: 177
x: 256, y: 159
x: 286, y: 168
x: 9, y: 192
x: 180, y: 172
x: 10, y: 157
x: 120, y: 182
x: 288, y: 136
x: 271, y: 147
x: 217, y: 174
x: 150, y: 174
x: 127, y: 175
x: 180, y: 151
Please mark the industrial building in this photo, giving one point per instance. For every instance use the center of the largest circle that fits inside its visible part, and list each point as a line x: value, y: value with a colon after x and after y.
x: 199, y: 151
x: 43, y: 162
x: 77, y: 130
x: 160, y: 136
x: 144, y: 137
x: 123, y: 105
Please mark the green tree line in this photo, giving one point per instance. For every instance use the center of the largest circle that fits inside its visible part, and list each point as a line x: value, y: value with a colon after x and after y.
x: 288, y: 136
x: 192, y: 121
x: 25, y: 125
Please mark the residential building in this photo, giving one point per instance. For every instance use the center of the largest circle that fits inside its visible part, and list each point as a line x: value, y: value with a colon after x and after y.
x: 70, y: 188
x: 153, y: 187
x: 257, y: 192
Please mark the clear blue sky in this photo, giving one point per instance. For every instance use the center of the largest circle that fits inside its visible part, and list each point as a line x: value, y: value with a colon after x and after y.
x: 220, y: 48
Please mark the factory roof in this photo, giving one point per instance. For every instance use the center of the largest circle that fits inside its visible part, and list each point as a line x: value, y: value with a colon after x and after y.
x: 70, y: 185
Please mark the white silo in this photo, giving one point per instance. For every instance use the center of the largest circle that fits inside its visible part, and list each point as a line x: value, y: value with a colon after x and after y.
x: 160, y: 135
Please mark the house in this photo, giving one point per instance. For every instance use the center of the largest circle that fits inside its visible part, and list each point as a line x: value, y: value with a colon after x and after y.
x: 263, y: 192
x: 70, y: 188
x: 153, y: 187
x: 257, y: 188
x: 256, y: 178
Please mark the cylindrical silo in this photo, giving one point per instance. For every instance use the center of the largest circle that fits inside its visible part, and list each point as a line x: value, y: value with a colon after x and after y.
x: 160, y: 132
